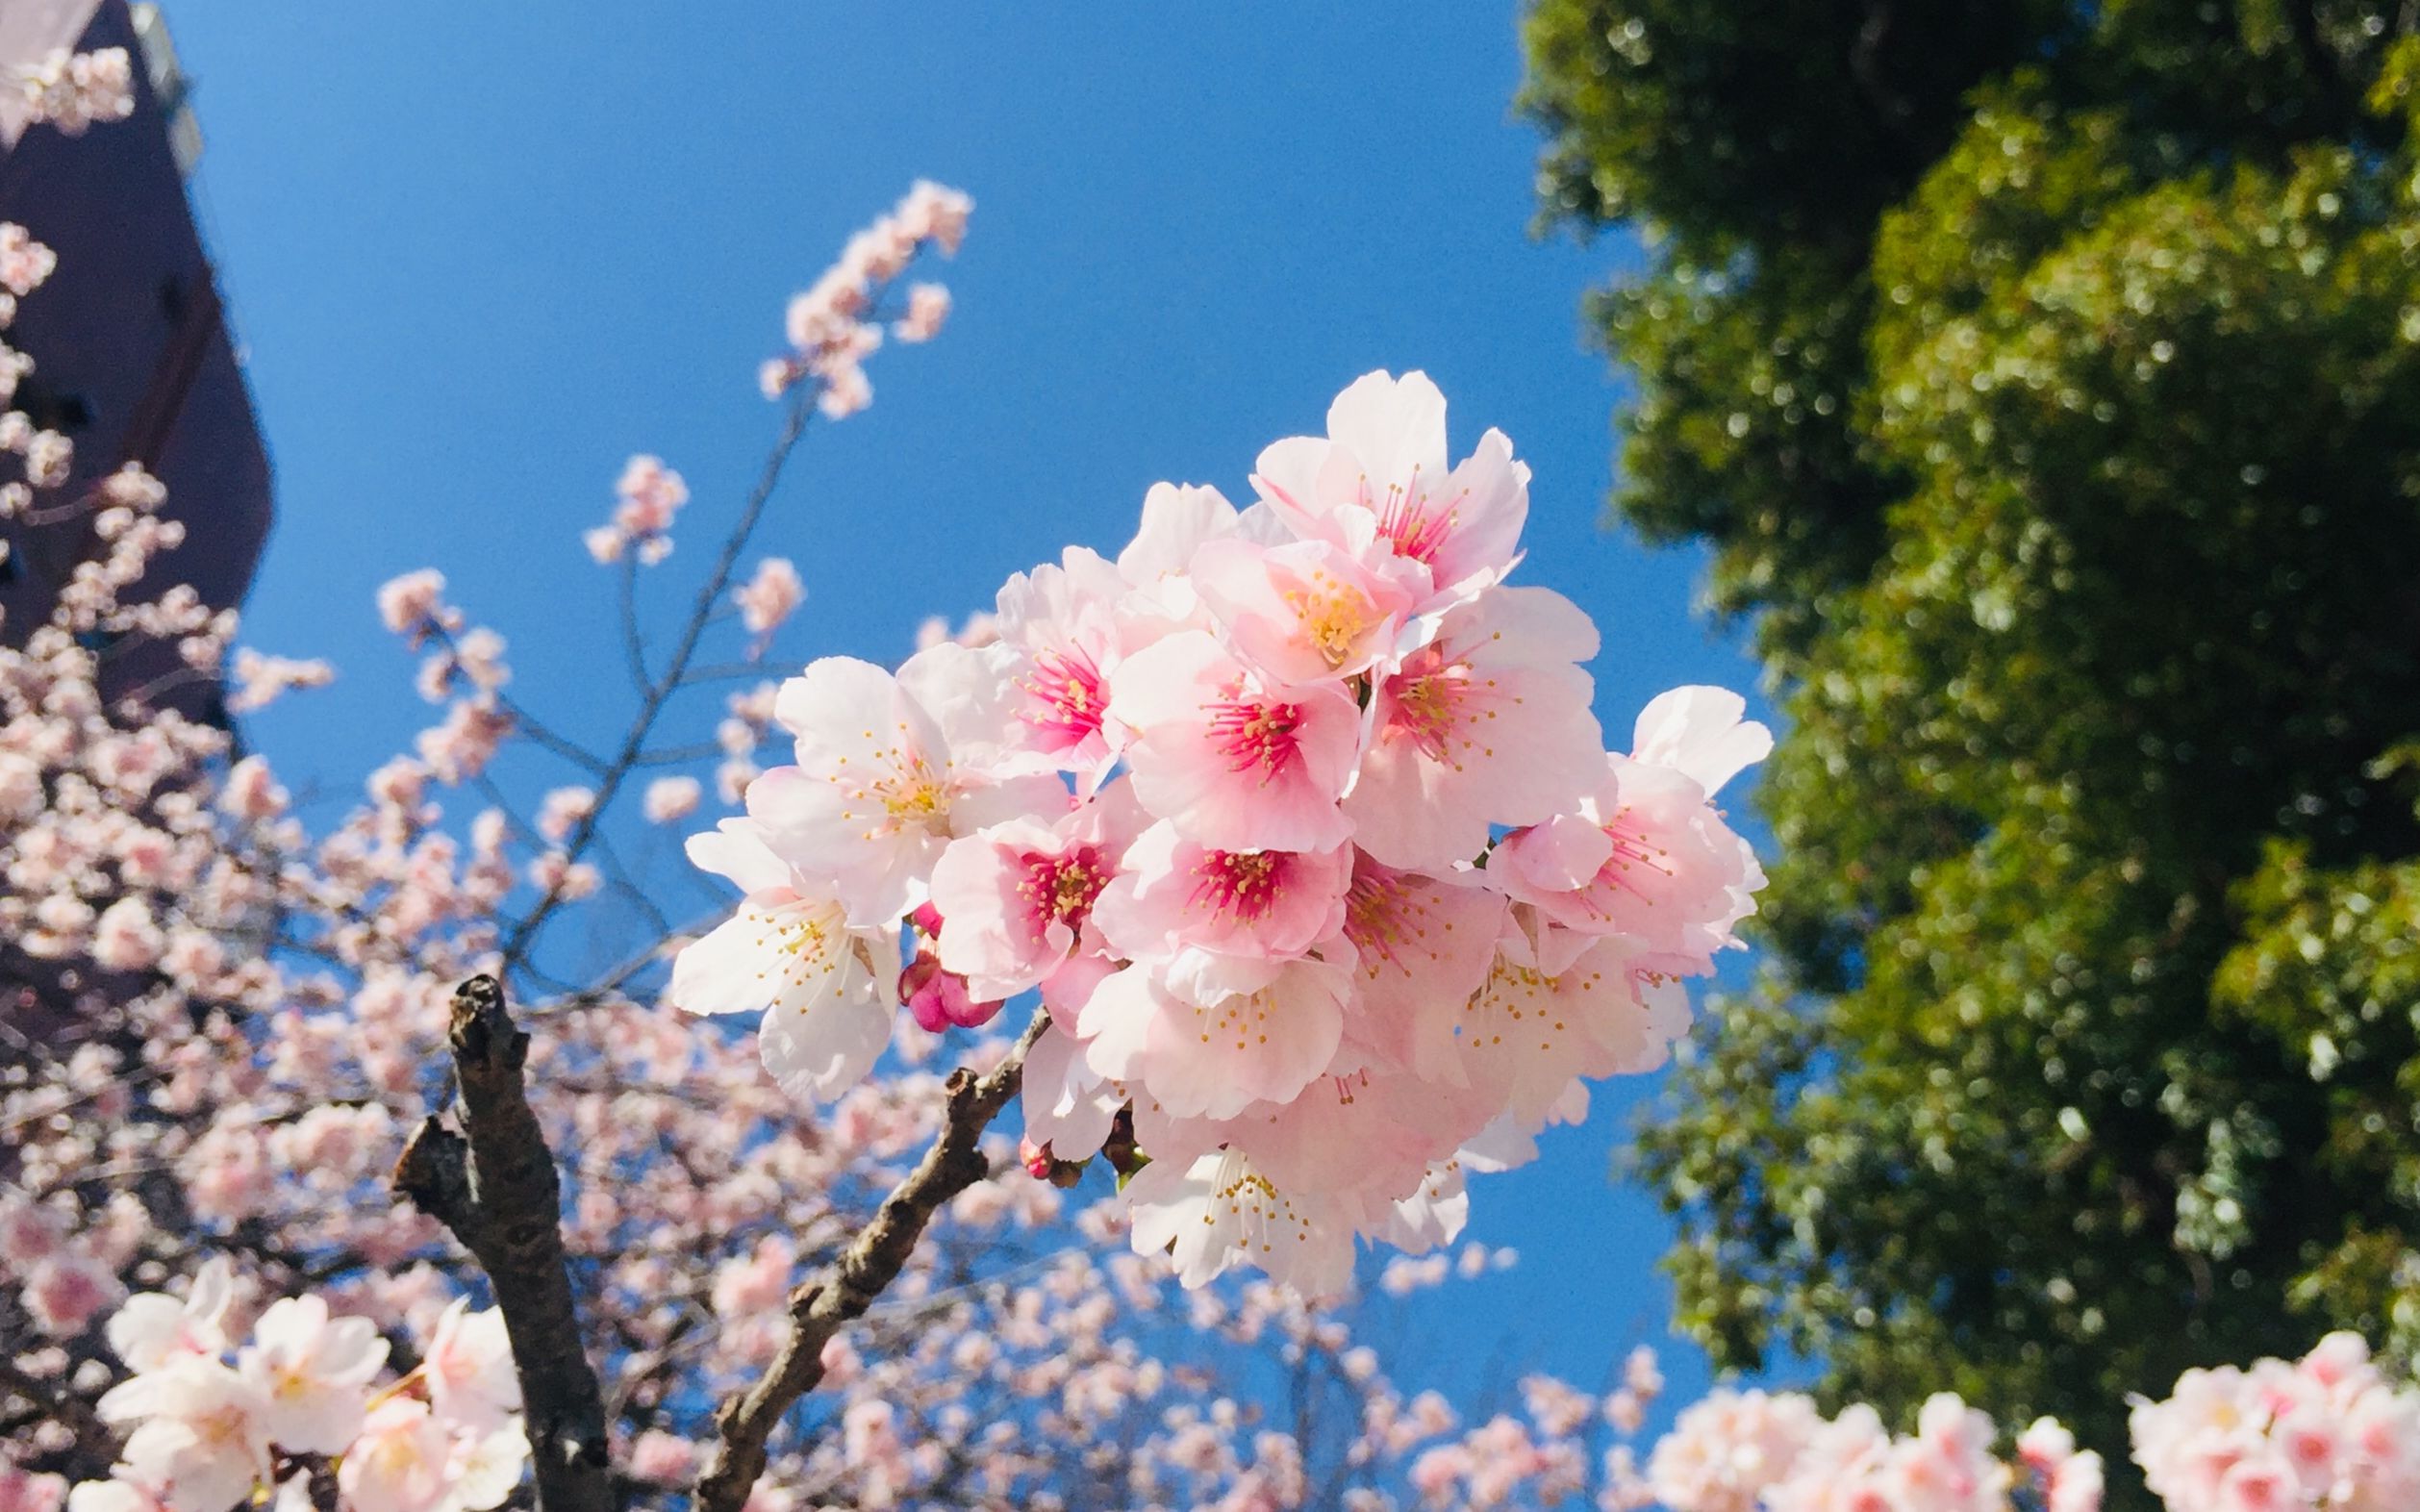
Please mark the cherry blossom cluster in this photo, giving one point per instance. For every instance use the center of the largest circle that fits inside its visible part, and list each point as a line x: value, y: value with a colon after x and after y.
x: 2326, y: 1433
x: 262, y: 679
x: 837, y: 323
x: 649, y: 494
x: 209, y: 1426
x: 44, y: 455
x: 241, y: 1098
x: 768, y: 599
x: 222, y: 1021
x: 72, y: 91
x: 1755, y: 1452
x: 25, y: 264
x: 461, y: 667
x: 1298, y: 819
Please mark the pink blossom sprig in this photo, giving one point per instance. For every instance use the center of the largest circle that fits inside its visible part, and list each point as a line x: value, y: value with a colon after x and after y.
x: 1299, y: 820
x: 834, y: 326
x: 650, y: 495
x: 74, y: 92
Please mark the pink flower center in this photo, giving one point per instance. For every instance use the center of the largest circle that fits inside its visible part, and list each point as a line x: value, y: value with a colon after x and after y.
x: 1067, y: 691
x: 1257, y: 735
x: 1061, y: 888
x: 1428, y: 698
x: 1333, y: 616
x: 911, y: 795
x: 1240, y: 884
x: 1374, y: 920
x: 1408, y: 517
x: 1634, y: 853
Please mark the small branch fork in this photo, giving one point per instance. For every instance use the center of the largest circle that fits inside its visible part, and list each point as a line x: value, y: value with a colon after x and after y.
x: 493, y: 1182
x: 495, y: 1185
x: 850, y: 1285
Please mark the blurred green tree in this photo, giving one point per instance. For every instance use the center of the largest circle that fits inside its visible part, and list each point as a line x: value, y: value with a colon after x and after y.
x: 2046, y: 379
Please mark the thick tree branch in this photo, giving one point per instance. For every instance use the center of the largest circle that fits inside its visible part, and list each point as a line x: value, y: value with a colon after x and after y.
x: 844, y: 1289
x: 495, y: 1185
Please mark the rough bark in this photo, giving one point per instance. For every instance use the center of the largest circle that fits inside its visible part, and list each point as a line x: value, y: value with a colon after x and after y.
x: 493, y: 1183
x: 844, y: 1289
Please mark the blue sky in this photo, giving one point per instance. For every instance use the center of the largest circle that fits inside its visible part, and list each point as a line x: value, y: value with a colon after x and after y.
x: 478, y: 255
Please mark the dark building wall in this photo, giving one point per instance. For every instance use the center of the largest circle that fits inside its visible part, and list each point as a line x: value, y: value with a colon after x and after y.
x: 132, y: 356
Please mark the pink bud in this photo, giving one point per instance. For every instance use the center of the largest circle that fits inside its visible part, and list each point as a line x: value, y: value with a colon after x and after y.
x: 1035, y: 1158
x: 939, y: 998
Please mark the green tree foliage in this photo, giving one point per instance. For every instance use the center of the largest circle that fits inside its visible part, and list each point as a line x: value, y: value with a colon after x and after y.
x: 2046, y: 378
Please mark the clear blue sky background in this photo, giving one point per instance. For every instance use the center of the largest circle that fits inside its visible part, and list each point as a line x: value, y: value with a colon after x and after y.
x: 479, y: 254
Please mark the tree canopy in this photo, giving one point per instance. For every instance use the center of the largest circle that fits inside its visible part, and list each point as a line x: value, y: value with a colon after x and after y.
x: 2046, y: 380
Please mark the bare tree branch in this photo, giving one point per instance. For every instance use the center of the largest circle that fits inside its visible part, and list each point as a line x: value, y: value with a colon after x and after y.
x: 616, y: 770
x: 844, y: 1289
x: 495, y: 1185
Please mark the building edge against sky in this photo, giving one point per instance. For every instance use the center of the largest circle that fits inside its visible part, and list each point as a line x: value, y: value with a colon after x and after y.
x: 134, y: 358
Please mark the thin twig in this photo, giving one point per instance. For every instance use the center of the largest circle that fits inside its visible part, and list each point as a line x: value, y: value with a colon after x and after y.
x: 844, y: 1289
x: 518, y: 943
x: 633, y: 644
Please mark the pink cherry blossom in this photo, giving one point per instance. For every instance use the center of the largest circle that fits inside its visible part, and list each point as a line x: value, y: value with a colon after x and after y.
x: 1486, y: 725
x: 1726, y: 1449
x: 413, y: 604
x: 399, y: 1463
x: 1016, y: 898
x: 1069, y: 1107
x: 311, y: 1371
x: 1177, y: 521
x: 1213, y: 1059
x: 2325, y: 1434
x: 1382, y: 466
x: 1220, y: 922
x: 1209, y: 1211
x: 1549, y: 1013
x: 484, y: 1469
x: 1643, y: 856
x: 940, y: 1000
x: 200, y: 1433
x: 1066, y: 624
x: 1229, y: 758
x: 928, y: 306
x: 1702, y: 733
x: 66, y: 1292
x: 671, y: 799
x: 73, y: 92
x: 152, y: 1327
x: 791, y: 953
x: 468, y: 1368
x: 770, y: 597
x: 650, y: 495
x: 889, y: 770
x: 1422, y: 947
x: 1308, y: 610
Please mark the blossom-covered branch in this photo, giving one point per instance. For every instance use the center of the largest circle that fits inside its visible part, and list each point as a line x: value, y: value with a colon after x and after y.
x: 832, y: 338
x: 494, y: 1184
x: 1295, y: 817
